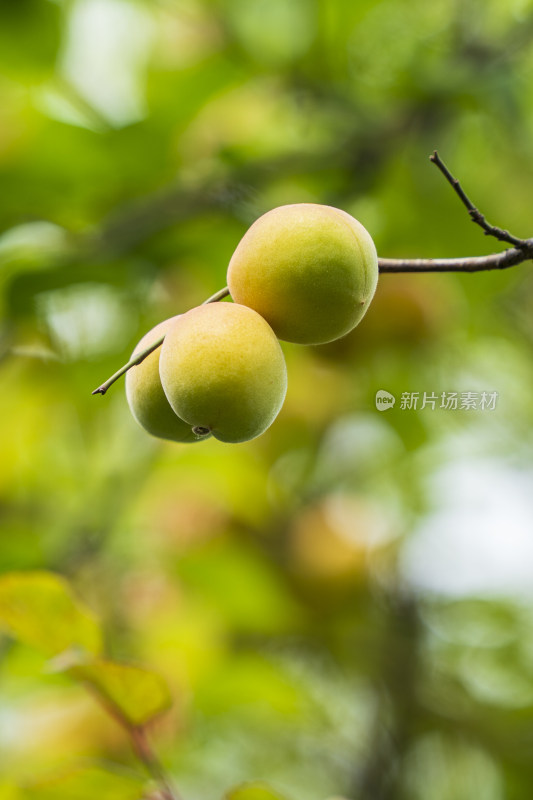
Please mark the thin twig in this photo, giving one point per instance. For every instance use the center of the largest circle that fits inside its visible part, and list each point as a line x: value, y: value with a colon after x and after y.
x: 139, y: 741
x: 475, y: 213
x: 139, y: 358
x: 131, y: 363
x: 220, y: 295
x: 144, y: 752
x: 522, y: 249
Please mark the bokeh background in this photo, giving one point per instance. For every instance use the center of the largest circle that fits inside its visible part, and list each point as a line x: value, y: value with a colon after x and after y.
x: 344, y: 606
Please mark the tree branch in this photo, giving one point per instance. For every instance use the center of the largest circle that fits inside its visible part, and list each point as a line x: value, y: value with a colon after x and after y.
x: 475, y: 213
x: 522, y: 250
x: 508, y: 258
x: 145, y: 754
x: 397, y: 670
x: 140, y: 744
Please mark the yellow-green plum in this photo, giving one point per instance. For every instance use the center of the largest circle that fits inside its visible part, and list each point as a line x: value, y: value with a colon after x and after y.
x: 310, y: 270
x: 223, y: 371
x: 146, y: 398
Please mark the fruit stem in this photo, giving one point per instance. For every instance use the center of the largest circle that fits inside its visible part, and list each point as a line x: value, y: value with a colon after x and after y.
x: 139, y: 358
x: 220, y: 295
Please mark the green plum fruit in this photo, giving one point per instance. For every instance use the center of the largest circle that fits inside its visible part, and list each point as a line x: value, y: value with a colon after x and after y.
x: 310, y: 270
x: 223, y: 371
x: 145, y: 395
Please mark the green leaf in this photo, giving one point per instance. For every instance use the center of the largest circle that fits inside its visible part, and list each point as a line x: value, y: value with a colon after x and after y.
x: 136, y: 694
x: 39, y: 609
x: 253, y: 791
x: 88, y: 783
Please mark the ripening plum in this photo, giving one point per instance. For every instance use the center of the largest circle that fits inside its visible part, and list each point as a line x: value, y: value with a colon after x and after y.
x: 223, y: 371
x: 310, y: 270
x: 146, y: 398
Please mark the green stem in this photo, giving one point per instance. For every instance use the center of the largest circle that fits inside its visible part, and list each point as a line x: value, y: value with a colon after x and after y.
x: 139, y: 358
x: 220, y: 295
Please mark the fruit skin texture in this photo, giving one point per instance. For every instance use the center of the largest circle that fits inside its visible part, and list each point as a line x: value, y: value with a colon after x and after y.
x: 310, y: 270
x: 145, y: 395
x: 223, y: 369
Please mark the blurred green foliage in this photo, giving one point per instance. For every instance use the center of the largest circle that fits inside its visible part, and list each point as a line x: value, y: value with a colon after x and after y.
x: 342, y: 607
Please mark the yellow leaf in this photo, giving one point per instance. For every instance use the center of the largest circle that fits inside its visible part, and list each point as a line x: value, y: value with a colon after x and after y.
x: 137, y: 695
x: 39, y: 609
